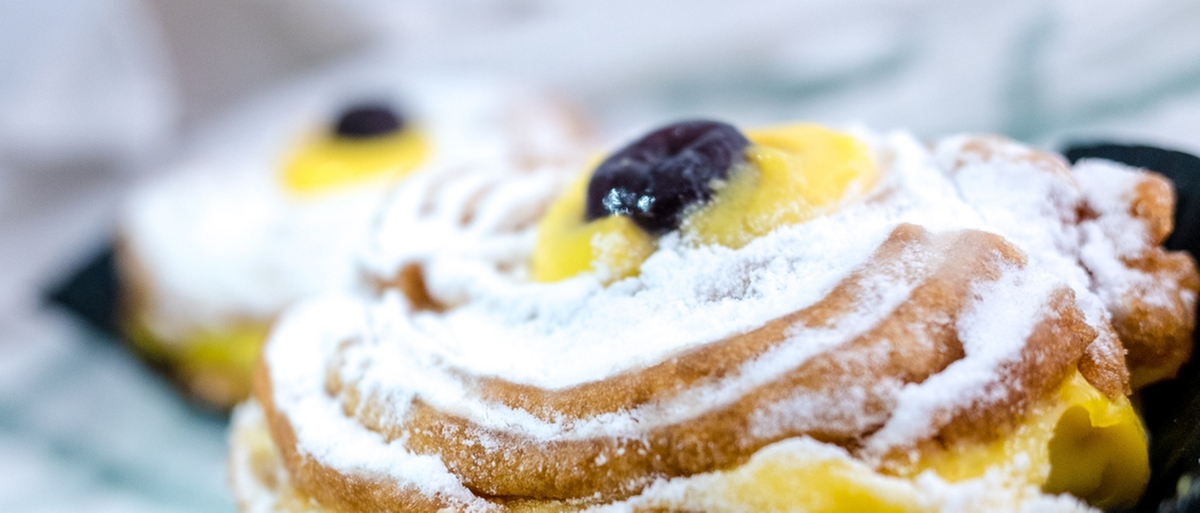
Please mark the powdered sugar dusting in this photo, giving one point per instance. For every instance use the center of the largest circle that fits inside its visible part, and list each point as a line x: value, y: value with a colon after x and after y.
x: 313, y: 330
x: 993, y: 331
x: 684, y: 296
x: 1115, y: 235
x: 228, y: 245
x: 576, y: 331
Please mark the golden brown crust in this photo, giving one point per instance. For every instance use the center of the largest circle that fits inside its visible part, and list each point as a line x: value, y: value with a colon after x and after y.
x: 714, y: 361
x: 336, y: 491
x: 410, y: 281
x: 915, y: 341
x: 1051, y: 352
x: 1103, y: 364
x: 1155, y: 317
x: 1154, y: 204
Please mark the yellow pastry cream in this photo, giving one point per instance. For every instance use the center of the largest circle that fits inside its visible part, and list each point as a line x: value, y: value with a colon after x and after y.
x: 567, y: 245
x: 215, y: 365
x: 369, y: 142
x: 1078, y: 441
x: 786, y: 175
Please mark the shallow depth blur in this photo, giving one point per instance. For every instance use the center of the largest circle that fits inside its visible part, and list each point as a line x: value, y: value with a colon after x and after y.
x: 94, y: 95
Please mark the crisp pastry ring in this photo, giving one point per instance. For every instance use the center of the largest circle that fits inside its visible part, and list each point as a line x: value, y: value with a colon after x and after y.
x: 566, y: 469
x: 1061, y: 342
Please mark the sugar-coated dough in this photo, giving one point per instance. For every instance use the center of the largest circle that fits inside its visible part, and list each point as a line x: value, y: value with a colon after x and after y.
x: 941, y: 309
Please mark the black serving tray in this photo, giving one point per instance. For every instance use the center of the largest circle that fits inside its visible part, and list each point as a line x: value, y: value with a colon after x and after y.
x: 1171, y: 409
x: 91, y: 292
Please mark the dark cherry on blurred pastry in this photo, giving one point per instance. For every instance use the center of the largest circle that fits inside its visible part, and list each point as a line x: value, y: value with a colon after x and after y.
x: 367, y: 142
x: 368, y: 120
x: 654, y: 179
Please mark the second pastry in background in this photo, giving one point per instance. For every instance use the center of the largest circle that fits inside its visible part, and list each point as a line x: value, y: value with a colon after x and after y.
x: 277, y: 200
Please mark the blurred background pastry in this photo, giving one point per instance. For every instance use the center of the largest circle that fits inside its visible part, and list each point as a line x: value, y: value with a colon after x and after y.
x: 277, y: 204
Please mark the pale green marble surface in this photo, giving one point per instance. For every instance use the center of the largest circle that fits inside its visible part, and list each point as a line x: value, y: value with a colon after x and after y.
x: 85, y: 427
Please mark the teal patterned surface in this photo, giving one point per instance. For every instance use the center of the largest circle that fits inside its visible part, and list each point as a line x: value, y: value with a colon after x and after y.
x: 85, y: 427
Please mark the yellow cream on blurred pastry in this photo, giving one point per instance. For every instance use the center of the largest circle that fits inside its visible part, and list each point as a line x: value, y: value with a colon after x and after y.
x: 328, y: 162
x: 280, y: 202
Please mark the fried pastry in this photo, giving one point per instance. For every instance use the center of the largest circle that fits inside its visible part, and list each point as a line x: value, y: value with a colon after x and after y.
x: 275, y: 206
x: 787, y: 319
